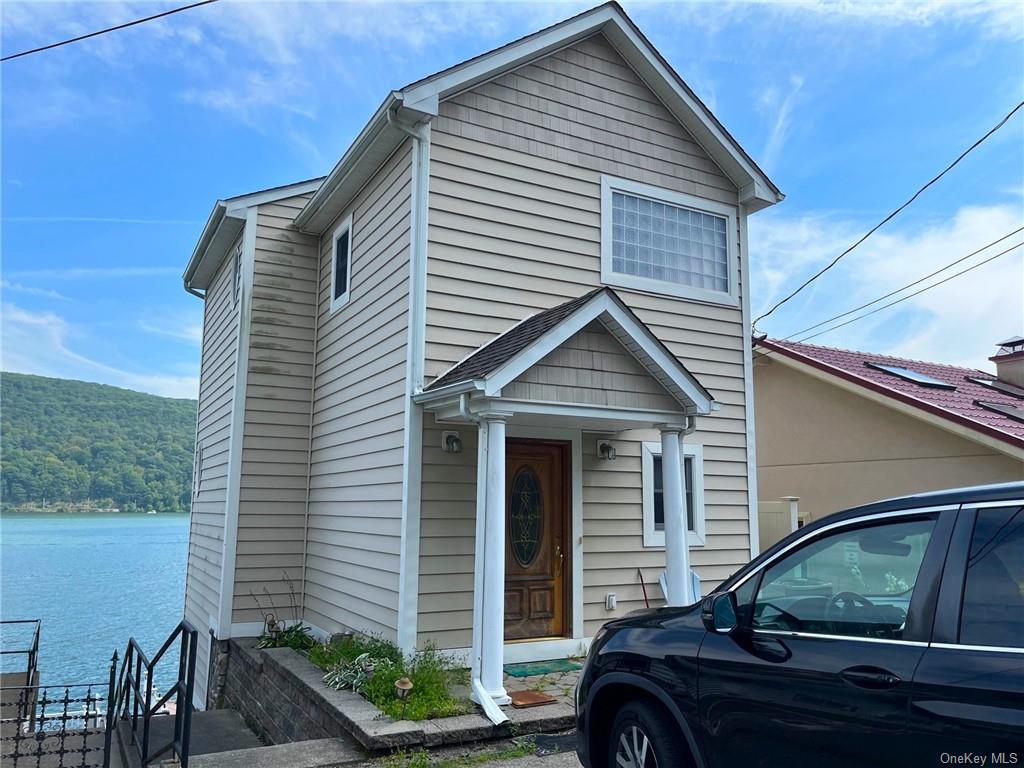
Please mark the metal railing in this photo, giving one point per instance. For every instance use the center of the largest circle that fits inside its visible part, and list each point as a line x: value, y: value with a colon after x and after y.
x: 32, y: 651
x: 135, y: 693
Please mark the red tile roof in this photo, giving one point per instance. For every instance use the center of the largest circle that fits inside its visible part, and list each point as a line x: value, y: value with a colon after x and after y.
x: 958, y: 405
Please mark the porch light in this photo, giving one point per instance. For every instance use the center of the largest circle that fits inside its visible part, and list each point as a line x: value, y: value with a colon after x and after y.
x: 451, y: 442
x: 605, y: 450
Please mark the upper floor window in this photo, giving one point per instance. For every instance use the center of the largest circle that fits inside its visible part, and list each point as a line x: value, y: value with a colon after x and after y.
x: 654, y: 494
x: 666, y: 242
x: 341, y: 264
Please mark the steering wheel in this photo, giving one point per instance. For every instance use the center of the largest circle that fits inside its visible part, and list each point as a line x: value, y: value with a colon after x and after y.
x: 843, y: 606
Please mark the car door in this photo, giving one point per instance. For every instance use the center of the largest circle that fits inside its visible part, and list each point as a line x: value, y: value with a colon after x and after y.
x: 819, y: 668
x: 968, y: 692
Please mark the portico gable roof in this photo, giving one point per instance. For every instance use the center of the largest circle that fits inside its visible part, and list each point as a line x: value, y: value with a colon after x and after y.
x: 509, y: 355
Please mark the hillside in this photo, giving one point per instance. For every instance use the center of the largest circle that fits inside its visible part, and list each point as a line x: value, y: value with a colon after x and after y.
x: 68, y: 442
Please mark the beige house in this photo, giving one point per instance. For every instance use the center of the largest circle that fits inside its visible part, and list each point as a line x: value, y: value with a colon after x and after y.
x: 838, y: 428
x: 470, y: 385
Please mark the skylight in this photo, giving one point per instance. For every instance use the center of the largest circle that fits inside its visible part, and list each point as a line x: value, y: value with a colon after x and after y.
x: 910, y: 375
x: 997, y: 385
x: 1017, y: 414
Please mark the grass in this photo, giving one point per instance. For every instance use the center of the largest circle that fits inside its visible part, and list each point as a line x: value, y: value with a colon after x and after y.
x: 433, y: 674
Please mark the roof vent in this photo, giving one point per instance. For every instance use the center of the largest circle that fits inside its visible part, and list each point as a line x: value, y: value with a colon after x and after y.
x: 1009, y: 361
x: 910, y: 375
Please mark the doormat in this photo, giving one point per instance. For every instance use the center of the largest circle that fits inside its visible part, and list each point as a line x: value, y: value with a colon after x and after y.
x: 524, y: 699
x: 531, y: 668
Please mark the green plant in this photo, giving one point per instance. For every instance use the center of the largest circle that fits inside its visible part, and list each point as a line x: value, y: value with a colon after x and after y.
x: 432, y: 674
x: 297, y: 637
x: 354, y: 673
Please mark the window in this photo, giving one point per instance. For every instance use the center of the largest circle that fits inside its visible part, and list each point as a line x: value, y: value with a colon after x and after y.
x: 908, y: 374
x: 197, y: 470
x: 666, y: 242
x: 654, y: 494
x: 341, y: 264
x: 856, y: 582
x: 993, y: 606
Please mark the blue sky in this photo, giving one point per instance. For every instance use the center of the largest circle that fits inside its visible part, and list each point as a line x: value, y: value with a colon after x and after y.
x: 114, y: 150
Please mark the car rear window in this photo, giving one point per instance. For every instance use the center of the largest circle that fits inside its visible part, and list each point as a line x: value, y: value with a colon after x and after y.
x: 993, y: 606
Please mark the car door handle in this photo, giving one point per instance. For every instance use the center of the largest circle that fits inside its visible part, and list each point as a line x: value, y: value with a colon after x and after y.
x: 873, y: 678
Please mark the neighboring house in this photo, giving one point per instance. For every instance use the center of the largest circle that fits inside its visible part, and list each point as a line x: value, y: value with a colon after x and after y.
x: 838, y: 428
x: 438, y: 385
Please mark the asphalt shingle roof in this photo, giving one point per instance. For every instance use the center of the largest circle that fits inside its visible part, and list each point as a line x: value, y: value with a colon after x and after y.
x: 495, y: 354
x: 959, y: 404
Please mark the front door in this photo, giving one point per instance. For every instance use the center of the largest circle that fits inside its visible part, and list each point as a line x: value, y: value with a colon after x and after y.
x: 536, y: 560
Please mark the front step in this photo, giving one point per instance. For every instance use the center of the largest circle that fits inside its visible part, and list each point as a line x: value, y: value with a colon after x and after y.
x: 212, y: 732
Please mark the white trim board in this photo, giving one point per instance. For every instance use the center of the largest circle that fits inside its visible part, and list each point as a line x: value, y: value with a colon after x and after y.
x: 753, y: 523
x: 238, y: 395
x: 531, y: 650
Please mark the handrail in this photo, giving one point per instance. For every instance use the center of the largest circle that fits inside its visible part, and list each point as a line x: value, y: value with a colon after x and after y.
x: 129, y: 692
x: 32, y: 651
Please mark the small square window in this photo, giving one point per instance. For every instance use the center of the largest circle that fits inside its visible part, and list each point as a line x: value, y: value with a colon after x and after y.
x: 654, y: 494
x: 341, y: 264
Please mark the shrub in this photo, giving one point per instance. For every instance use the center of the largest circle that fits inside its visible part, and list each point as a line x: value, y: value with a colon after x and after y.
x: 297, y: 637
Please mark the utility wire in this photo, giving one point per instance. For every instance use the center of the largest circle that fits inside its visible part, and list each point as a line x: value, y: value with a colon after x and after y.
x: 911, y: 295
x: 908, y: 285
x: 108, y: 29
x: 888, y: 218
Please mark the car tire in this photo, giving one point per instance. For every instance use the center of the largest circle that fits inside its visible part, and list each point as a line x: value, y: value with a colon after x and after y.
x: 644, y: 736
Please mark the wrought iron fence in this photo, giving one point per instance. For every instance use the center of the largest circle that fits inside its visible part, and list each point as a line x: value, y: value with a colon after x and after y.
x: 57, y: 726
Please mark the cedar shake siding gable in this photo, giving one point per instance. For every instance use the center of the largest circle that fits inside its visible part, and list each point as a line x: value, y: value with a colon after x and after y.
x: 359, y: 400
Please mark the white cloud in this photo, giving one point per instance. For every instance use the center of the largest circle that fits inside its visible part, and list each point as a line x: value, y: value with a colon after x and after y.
x: 38, y: 342
x: 779, y: 108
x: 89, y: 273
x: 176, y: 329
x: 958, y: 322
x: 46, y: 293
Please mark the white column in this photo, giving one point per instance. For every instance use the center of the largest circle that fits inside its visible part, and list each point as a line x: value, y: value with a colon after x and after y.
x: 492, y: 630
x: 677, y: 548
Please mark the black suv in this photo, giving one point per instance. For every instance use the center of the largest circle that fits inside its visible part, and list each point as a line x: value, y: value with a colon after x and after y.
x: 890, y: 634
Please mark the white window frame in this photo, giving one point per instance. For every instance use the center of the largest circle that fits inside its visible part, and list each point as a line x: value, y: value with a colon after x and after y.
x: 695, y: 452
x: 340, y: 301
x: 197, y: 470
x: 237, y: 274
x: 611, y: 184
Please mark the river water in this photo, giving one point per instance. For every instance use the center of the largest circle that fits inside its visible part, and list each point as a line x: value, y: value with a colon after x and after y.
x: 95, y: 580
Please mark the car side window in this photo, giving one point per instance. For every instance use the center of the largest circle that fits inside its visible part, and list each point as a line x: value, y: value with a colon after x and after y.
x: 856, y: 582
x: 993, y: 604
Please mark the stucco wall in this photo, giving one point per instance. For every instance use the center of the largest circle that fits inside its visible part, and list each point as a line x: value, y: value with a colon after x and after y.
x: 835, y: 449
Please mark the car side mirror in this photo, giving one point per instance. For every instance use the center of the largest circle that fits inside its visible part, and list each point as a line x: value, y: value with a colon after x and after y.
x: 719, y: 613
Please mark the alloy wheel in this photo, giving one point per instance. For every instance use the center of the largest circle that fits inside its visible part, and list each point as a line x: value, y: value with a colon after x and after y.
x: 635, y: 749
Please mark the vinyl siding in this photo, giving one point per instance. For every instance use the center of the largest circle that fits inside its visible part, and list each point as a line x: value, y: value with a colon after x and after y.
x: 206, y: 528
x: 514, y: 228
x: 591, y: 368
x: 275, y: 443
x: 354, y: 528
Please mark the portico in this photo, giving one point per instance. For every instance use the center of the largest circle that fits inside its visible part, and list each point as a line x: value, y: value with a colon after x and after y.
x: 534, y: 397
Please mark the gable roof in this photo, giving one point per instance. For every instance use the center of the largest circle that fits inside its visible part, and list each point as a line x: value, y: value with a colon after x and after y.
x: 510, y: 354
x: 959, y: 402
x: 225, y: 223
x: 389, y: 126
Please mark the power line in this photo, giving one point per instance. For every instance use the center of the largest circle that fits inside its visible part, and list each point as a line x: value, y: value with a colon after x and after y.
x: 108, y: 29
x: 911, y: 295
x: 903, y: 288
x: 888, y: 218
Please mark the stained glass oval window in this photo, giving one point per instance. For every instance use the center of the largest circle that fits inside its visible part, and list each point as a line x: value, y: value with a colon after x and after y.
x: 526, y: 516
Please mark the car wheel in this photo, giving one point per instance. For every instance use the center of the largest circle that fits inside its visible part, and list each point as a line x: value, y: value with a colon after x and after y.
x: 643, y: 736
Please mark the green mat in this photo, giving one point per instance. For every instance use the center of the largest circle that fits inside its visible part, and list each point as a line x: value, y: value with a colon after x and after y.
x: 532, y: 668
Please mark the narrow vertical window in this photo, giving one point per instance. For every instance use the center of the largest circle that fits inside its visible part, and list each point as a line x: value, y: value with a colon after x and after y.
x: 341, y: 264
x: 238, y: 273
x: 654, y: 494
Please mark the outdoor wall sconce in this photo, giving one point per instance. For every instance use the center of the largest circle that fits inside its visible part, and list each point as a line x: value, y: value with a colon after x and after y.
x: 605, y: 450
x: 451, y: 442
x: 403, y: 687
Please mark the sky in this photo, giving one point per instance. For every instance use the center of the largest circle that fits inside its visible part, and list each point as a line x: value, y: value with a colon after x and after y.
x: 113, y: 151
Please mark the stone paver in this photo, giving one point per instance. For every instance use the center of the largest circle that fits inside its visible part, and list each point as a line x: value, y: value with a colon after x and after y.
x: 561, y: 685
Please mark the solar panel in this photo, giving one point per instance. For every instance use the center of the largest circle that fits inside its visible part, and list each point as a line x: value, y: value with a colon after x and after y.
x: 998, y: 386
x: 1017, y: 414
x: 910, y: 375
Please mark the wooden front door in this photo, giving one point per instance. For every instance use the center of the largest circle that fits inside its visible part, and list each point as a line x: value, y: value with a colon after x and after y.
x: 536, y: 539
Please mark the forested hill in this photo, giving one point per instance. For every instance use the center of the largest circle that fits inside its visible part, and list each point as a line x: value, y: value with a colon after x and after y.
x: 67, y: 442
